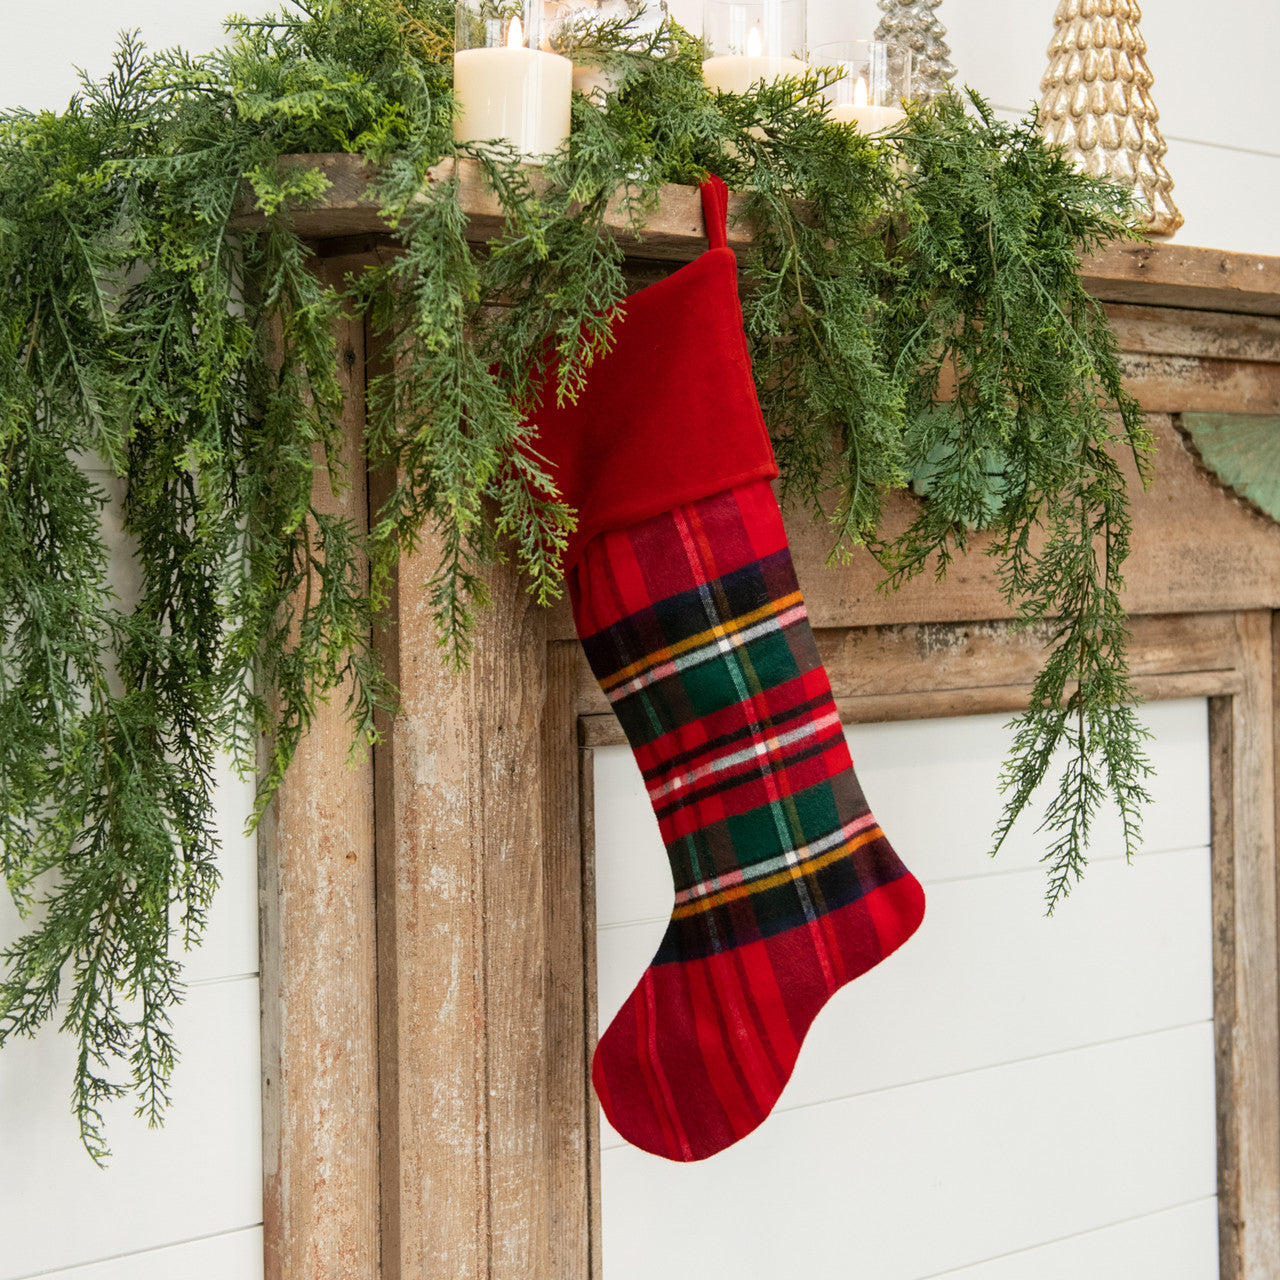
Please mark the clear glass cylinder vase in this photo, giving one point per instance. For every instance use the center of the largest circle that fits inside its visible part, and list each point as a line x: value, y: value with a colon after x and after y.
x: 509, y: 84
x: 871, y: 82
x: 752, y: 40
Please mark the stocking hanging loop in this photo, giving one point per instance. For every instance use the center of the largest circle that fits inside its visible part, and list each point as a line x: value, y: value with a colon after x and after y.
x: 715, y: 211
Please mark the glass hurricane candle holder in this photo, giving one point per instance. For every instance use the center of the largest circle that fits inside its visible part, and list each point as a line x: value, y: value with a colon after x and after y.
x: 508, y: 83
x: 873, y: 80
x: 577, y: 22
x: 749, y: 42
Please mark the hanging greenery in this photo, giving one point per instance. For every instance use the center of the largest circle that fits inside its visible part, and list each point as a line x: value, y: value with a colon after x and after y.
x: 199, y: 362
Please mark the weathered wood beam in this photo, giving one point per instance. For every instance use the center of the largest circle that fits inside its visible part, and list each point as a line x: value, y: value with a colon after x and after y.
x: 569, y: 916
x: 462, y: 942
x: 319, y: 992
x: 1196, y: 548
x: 929, y: 670
x: 1174, y: 331
x: 1246, y: 1006
x: 1152, y: 274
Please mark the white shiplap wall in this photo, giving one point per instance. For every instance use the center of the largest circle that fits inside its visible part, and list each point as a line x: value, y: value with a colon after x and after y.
x: 1007, y: 1096
x: 1215, y: 87
x: 184, y: 1201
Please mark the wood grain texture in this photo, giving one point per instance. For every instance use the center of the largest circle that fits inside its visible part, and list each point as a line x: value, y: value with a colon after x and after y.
x: 568, y: 1102
x: 603, y: 729
x: 1175, y: 275
x: 1246, y: 1005
x: 319, y: 996
x: 472, y: 1109
x: 1222, y: 856
x: 930, y: 671
x: 463, y: 946
x: 1182, y: 384
x: 1161, y: 274
x: 591, y: 1012
x: 1172, y: 331
x: 923, y: 658
x: 1196, y: 548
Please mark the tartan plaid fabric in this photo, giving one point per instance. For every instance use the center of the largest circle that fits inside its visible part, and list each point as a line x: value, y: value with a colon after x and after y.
x: 785, y: 887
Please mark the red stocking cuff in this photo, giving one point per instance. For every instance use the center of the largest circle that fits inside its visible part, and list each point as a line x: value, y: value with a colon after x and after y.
x: 670, y: 414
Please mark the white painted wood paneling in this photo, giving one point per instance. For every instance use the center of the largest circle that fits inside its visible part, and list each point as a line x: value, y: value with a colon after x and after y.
x: 1178, y: 1244
x: 1128, y: 954
x: 909, y: 1182
x: 235, y: 1256
x: 1210, y: 66
x: 932, y: 785
x: 198, y: 1176
x: 230, y: 946
x: 1224, y: 195
x: 44, y: 43
x: 933, y: 789
x: 1005, y: 1083
x: 1214, y: 86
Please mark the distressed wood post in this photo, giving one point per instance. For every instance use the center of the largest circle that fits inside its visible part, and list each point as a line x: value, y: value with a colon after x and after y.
x: 569, y: 909
x: 319, y: 994
x: 1246, y: 999
x: 461, y: 941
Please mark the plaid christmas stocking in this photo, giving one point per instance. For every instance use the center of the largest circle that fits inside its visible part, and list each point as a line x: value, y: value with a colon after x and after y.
x: 689, y: 611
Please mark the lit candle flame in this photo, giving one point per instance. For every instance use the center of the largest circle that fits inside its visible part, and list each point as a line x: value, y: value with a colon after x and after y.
x: 753, y: 43
x: 860, y: 93
x: 515, y: 33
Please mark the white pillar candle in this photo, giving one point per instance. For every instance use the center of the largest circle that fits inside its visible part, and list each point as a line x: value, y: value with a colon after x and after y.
x: 737, y: 72
x: 589, y: 78
x: 868, y: 119
x: 519, y: 94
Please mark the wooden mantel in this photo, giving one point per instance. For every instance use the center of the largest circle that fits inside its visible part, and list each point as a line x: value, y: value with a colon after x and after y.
x: 427, y: 935
x: 1169, y: 275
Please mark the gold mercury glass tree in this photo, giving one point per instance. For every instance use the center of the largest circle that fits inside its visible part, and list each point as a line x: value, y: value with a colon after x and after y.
x: 1096, y: 103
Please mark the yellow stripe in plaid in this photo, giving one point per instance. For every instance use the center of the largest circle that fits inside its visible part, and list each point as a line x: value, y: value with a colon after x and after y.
x: 718, y: 632
x: 794, y: 872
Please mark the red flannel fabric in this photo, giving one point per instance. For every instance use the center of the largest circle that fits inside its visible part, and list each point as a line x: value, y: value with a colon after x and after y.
x: 785, y: 886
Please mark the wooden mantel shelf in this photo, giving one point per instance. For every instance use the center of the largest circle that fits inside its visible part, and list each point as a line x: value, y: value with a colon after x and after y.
x: 1169, y: 275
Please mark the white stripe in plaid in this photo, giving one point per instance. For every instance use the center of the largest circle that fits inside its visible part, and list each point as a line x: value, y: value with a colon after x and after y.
x: 759, y: 750
x: 791, y: 858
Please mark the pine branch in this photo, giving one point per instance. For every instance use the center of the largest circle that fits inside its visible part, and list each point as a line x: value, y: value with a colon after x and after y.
x: 200, y: 364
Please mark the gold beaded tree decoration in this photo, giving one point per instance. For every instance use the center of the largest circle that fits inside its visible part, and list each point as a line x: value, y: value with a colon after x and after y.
x: 1096, y: 103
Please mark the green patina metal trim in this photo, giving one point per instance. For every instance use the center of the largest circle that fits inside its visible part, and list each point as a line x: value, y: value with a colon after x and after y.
x: 1243, y: 451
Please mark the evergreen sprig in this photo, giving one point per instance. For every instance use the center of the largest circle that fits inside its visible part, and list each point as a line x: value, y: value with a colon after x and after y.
x: 913, y: 306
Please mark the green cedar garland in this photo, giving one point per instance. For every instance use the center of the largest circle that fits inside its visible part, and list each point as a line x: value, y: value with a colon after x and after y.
x: 200, y: 364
